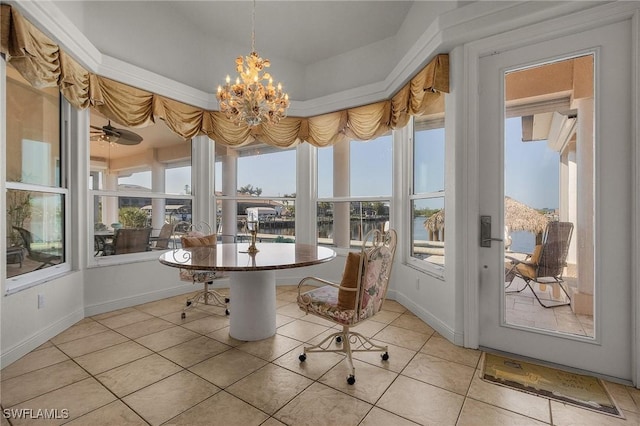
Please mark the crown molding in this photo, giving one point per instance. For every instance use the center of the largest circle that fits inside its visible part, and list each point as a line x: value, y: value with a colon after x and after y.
x: 51, y: 21
x: 141, y: 78
x: 458, y: 26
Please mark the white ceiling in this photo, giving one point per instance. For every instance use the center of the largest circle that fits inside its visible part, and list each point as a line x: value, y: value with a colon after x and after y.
x: 301, y: 31
x: 316, y: 48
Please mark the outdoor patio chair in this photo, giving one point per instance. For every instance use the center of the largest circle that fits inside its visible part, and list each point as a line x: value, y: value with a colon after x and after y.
x: 546, y: 264
x: 161, y: 242
x: 358, y: 297
x: 45, y: 257
x: 200, y: 235
x: 128, y: 240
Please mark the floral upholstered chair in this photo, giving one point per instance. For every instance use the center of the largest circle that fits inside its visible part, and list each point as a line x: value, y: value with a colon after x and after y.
x: 199, y: 235
x: 358, y: 297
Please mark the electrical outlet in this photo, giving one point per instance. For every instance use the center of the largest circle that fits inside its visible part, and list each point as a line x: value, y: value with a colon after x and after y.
x: 40, y: 301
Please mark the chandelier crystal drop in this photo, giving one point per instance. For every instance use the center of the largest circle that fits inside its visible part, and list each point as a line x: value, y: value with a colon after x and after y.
x: 248, y: 100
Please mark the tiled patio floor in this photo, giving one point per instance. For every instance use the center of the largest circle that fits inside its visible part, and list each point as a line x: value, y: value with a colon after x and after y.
x: 523, y: 309
x: 144, y: 365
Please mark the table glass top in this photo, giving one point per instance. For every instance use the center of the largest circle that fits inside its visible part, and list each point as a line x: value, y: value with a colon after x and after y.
x: 234, y: 257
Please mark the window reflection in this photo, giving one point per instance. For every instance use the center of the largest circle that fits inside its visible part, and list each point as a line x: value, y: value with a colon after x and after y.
x: 36, y: 232
x: 36, y: 191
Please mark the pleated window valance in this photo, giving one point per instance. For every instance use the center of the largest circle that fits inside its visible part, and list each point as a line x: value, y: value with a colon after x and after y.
x: 41, y: 62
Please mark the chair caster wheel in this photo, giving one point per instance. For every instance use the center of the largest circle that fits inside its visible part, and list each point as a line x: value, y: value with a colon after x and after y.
x: 227, y: 300
x: 226, y: 312
x: 339, y: 339
x: 188, y: 302
x: 302, y: 357
x: 385, y: 356
x: 351, y: 380
x: 183, y: 315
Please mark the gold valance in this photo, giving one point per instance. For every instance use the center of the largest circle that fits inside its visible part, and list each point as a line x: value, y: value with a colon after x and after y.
x: 41, y: 62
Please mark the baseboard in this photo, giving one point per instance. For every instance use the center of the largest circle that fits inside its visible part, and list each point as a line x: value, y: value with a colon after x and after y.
x: 434, y: 322
x: 126, y: 302
x: 42, y: 336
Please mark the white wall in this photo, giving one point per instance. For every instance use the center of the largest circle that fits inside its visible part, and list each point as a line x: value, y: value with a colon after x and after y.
x: 25, y: 327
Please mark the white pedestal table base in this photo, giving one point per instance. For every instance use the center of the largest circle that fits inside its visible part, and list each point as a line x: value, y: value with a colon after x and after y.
x: 252, y: 305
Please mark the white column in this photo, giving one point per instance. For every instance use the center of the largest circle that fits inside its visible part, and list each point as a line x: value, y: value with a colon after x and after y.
x: 110, y: 204
x: 157, y: 204
x: 582, y: 298
x: 229, y: 188
x: 203, y: 157
x: 341, y: 188
x: 572, y: 202
x: 306, y: 201
x: 80, y: 231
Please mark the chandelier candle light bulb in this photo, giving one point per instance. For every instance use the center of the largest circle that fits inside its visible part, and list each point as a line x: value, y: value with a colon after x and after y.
x: 248, y: 101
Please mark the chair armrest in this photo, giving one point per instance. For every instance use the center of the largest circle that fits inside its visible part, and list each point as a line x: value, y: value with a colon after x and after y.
x: 318, y: 280
x: 515, y: 260
x: 325, y: 282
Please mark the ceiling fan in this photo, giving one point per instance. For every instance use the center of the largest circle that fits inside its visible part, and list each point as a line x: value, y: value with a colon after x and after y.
x: 111, y: 134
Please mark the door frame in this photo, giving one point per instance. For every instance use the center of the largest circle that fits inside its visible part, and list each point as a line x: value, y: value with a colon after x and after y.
x: 472, y: 52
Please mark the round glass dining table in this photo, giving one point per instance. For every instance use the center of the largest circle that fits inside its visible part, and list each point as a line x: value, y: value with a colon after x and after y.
x: 252, y: 278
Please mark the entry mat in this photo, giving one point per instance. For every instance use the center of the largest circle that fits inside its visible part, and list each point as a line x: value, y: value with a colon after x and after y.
x: 576, y: 389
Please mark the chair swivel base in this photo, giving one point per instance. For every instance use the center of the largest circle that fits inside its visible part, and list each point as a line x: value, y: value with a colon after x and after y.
x: 350, y: 339
x: 206, y: 297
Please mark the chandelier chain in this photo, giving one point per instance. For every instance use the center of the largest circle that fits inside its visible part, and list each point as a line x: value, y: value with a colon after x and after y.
x: 253, y: 27
x: 248, y: 101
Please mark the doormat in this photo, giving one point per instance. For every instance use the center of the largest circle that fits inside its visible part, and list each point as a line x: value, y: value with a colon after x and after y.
x: 571, y: 388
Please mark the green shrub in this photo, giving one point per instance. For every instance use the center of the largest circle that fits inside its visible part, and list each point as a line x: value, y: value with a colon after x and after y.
x: 132, y: 217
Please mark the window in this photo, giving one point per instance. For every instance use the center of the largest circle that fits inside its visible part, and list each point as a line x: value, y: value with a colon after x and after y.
x: 145, y: 185
x: 427, y: 221
x: 355, y: 181
x: 37, y: 195
x: 256, y: 176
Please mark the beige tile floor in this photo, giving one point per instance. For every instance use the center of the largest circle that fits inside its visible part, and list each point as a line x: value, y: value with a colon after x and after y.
x: 145, y: 365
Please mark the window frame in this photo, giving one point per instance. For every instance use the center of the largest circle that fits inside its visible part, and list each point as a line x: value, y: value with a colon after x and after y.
x: 37, y: 277
x: 430, y: 268
x: 386, y: 199
x: 236, y: 198
x: 121, y: 259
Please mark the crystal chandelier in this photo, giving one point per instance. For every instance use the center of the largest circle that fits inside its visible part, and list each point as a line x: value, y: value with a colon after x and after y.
x: 248, y: 100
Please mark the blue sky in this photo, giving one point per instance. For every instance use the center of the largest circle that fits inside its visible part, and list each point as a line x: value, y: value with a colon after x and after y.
x: 531, y: 170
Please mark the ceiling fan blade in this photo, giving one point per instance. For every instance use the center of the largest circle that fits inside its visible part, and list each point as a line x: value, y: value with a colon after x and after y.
x: 128, y: 137
x: 112, y: 134
x: 101, y: 137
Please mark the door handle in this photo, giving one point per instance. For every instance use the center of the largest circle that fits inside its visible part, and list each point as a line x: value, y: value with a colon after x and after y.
x: 485, y: 232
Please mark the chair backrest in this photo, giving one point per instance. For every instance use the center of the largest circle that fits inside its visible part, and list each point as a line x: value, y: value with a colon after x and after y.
x: 186, y: 229
x: 555, y: 248
x: 26, y: 236
x: 162, y: 242
x: 131, y: 240
x: 378, y: 251
x: 201, y: 229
